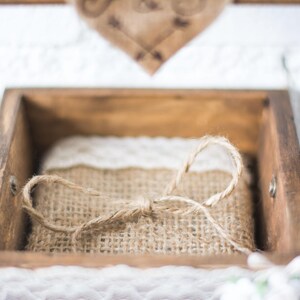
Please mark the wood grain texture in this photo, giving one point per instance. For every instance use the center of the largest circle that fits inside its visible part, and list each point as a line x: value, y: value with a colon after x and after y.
x: 64, y: 1
x: 150, y: 32
x: 55, y: 114
x: 36, y: 118
x: 39, y: 260
x: 15, y: 160
x: 279, y: 156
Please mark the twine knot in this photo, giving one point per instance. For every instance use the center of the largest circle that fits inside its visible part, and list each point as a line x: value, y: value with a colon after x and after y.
x: 145, y: 206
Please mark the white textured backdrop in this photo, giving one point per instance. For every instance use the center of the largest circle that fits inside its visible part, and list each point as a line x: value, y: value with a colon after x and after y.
x: 48, y: 45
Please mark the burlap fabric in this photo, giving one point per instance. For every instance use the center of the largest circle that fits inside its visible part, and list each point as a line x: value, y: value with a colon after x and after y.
x: 164, y: 233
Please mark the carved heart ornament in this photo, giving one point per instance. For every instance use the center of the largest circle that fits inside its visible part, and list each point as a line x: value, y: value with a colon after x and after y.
x: 150, y: 31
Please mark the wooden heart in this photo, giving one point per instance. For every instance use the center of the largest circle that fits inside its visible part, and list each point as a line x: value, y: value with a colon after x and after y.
x: 150, y: 31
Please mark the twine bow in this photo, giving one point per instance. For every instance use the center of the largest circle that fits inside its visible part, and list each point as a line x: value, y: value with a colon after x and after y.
x: 145, y: 206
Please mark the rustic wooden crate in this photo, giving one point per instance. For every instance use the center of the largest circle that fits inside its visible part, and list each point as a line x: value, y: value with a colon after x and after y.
x: 260, y: 123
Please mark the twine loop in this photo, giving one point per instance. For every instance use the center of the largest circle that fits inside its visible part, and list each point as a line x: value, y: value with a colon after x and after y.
x: 144, y: 206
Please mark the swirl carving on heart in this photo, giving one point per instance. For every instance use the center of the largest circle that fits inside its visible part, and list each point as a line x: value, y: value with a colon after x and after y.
x: 150, y: 31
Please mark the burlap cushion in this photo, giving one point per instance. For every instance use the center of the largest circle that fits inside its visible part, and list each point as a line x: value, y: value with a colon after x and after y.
x: 166, y: 233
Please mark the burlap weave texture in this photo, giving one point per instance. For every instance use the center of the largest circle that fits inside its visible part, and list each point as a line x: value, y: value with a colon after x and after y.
x: 165, y: 233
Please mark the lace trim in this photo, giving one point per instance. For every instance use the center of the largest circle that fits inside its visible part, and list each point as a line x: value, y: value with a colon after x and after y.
x: 126, y: 152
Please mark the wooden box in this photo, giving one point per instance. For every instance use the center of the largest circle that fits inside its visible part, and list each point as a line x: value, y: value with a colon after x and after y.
x: 260, y: 123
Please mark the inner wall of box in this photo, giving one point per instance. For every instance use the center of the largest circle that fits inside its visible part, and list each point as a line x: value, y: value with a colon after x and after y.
x: 54, y: 116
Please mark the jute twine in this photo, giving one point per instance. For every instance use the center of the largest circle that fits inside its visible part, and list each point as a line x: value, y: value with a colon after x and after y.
x: 144, y: 206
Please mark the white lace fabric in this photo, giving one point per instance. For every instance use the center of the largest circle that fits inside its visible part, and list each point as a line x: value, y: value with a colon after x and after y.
x: 169, y: 282
x: 127, y: 152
